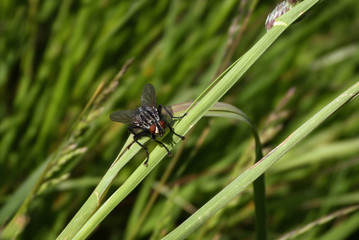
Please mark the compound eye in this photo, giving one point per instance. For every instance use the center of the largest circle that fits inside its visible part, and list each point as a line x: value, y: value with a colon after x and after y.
x: 162, y: 124
x: 153, y: 128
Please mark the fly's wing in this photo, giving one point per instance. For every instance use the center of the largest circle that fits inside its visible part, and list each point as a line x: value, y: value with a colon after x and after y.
x: 148, y: 97
x: 124, y: 116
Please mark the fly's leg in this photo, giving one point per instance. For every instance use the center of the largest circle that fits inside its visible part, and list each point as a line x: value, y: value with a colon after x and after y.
x: 168, y: 112
x: 136, y: 137
x: 172, y: 131
x: 153, y: 137
x: 144, y: 148
x: 171, y: 115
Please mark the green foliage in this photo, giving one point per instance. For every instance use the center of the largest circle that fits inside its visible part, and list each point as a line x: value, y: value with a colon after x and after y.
x: 65, y: 66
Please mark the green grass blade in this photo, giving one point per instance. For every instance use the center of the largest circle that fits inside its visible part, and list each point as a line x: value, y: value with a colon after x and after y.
x: 300, y: 231
x: 240, y: 183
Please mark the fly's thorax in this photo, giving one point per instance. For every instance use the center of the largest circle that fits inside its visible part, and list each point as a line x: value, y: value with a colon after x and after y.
x: 147, y: 117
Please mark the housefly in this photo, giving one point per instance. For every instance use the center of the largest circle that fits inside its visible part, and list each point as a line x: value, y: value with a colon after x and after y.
x: 147, y: 120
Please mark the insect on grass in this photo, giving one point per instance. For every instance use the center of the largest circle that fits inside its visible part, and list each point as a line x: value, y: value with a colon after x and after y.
x: 147, y: 120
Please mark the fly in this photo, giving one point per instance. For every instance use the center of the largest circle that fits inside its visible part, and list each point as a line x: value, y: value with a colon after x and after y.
x: 147, y: 120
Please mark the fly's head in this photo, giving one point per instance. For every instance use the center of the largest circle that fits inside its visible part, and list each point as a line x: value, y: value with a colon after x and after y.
x: 158, y: 128
x: 157, y: 124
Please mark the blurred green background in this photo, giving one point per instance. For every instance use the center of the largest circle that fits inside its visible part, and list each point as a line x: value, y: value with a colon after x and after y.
x: 54, y: 55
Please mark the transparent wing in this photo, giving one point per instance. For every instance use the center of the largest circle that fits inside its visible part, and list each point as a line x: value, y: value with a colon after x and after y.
x: 124, y: 116
x: 148, y: 97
